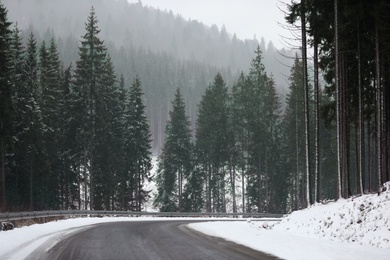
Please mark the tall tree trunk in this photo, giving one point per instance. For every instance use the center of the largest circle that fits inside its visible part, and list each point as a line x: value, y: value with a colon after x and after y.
x: 298, y: 172
x: 259, y: 179
x: 378, y: 92
x: 360, y: 150
x: 345, y: 130
x: 234, y: 190
x: 369, y: 167
x: 338, y: 121
x: 223, y: 191
x: 67, y: 189
x: 306, y: 89
x: 85, y: 175
x: 317, y: 123
x: 91, y: 183
x: 243, y: 188
x: 180, y: 180
x: 232, y: 172
x: 31, y: 184
x: 208, y: 188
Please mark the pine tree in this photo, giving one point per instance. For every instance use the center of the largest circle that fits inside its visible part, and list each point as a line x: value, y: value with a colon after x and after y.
x: 51, y: 106
x: 5, y: 97
x: 123, y: 176
x: 176, y: 164
x: 68, y: 143
x: 89, y: 72
x: 193, y: 195
x: 240, y: 120
x: 137, y: 147
x: 259, y: 132
x: 212, y: 135
x: 275, y: 181
x: 293, y: 124
x: 108, y: 139
x: 16, y: 81
x: 28, y: 140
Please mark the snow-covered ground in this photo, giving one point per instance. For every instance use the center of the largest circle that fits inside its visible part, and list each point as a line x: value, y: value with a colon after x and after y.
x: 357, y: 228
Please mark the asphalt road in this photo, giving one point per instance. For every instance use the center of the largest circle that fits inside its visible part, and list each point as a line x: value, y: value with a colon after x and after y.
x: 145, y: 240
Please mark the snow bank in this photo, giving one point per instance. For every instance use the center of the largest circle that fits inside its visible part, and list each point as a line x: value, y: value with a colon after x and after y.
x: 357, y: 228
x: 363, y: 220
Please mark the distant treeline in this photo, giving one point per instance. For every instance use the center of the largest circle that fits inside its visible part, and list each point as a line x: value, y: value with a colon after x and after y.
x: 164, y: 50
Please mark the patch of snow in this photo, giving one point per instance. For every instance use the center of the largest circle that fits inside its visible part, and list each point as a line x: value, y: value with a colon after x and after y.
x: 357, y: 228
x: 151, y: 186
x: 363, y: 220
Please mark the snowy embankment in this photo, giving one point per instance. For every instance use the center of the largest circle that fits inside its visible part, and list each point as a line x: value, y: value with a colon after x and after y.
x: 357, y: 228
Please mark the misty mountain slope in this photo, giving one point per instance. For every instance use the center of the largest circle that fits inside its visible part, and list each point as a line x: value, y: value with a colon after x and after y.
x: 163, y: 49
x: 137, y: 25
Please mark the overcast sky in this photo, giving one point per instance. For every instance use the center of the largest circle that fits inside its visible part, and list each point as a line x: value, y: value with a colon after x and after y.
x: 246, y: 18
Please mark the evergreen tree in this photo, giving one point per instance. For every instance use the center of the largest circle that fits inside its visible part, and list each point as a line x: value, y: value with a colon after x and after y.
x: 108, y: 143
x: 275, y: 181
x: 51, y: 106
x: 28, y: 140
x: 293, y: 128
x: 137, y: 147
x: 239, y: 118
x: 16, y: 81
x: 68, y: 143
x: 212, y: 136
x: 259, y: 115
x: 123, y: 178
x: 5, y: 98
x: 176, y: 159
x: 89, y: 73
x: 18, y: 57
x: 193, y: 195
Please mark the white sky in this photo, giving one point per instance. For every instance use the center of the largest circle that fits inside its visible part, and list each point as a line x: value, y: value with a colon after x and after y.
x: 245, y: 18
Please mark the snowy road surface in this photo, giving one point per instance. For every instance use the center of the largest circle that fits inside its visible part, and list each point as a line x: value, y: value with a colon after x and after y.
x: 143, y: 240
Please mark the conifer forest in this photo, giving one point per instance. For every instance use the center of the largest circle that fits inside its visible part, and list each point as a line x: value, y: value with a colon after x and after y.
x: 89, y: 99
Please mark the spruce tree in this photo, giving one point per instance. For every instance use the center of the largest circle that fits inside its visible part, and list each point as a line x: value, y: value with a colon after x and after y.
x: 274, y: 195
x: 123, y: 188
x: 193, y: 195
x: 176, y: 159
x: 108, y: 143
x: 28, y: 140
x: 68, y: 143
x: 240, y: 120
x: 5, y: 98
x: 137, y: 147
x: 294, y: 132
x: 51, y: 106
x: 212, y: 137
x: 88, y: 80
x: 259, y: 113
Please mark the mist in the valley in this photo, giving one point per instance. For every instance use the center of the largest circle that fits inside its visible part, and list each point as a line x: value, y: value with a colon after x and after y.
x: 165, y: 50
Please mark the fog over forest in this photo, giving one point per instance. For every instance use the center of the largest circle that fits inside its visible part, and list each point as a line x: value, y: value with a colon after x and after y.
x: 165, y: 50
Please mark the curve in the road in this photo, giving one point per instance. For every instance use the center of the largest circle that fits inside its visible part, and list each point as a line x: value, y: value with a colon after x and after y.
x: 146, y: 240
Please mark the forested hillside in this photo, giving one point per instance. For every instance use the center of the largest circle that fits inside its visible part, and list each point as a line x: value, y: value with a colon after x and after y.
x: 163, y: 49
x: 80, y: 115
x: 331, y: 142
